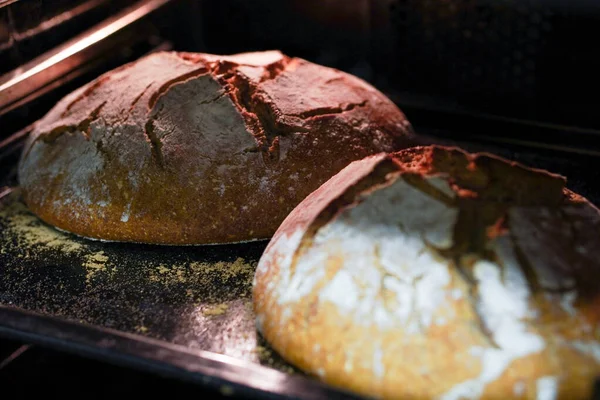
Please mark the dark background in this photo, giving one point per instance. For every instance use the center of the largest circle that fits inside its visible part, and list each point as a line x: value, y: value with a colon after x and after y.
x: 529, y: 59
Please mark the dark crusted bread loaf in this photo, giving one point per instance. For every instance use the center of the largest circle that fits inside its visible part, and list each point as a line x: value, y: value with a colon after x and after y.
x: 182, y: 148
x: 433, y: 273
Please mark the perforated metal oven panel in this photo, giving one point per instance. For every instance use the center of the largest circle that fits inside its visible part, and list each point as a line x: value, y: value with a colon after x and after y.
x: 473, y: 47
x: 530, y: 59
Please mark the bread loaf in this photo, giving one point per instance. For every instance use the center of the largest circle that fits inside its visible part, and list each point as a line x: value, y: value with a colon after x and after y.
x: 433, y: 273
x: 189, y: 148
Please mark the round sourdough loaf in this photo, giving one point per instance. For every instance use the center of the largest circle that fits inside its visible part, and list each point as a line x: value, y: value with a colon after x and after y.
x: 435, y: 273
x: 182, y: 148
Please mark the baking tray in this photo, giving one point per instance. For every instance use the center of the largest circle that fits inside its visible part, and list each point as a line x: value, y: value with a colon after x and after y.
x: 181, y: 311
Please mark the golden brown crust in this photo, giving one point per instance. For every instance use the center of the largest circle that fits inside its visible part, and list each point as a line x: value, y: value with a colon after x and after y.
x: 189, y: 148
x: 487, y: 289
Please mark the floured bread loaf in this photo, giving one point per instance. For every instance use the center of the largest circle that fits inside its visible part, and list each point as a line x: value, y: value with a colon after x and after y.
x: 181, y: 148
x: 434, y: 273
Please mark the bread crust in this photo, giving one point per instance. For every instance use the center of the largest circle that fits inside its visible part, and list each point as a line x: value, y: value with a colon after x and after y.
x: 190, y: 148
x: 434, y: 273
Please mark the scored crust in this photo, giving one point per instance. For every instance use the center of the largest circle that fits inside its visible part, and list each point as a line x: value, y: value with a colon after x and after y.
x: 191, y: 148
x: 435, y: 273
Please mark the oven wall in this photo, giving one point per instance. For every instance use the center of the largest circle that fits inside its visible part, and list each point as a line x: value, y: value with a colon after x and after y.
x: 531, y: 59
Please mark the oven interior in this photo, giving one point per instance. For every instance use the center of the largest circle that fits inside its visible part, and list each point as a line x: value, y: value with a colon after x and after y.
x: 517, y: 78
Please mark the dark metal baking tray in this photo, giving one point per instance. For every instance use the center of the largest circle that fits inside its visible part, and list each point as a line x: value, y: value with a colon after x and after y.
x: 180, y: 311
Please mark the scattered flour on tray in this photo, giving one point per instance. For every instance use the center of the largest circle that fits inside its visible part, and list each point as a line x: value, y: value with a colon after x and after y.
x: 204, y: 272
x: 94, y: 263
x: 26, y: 230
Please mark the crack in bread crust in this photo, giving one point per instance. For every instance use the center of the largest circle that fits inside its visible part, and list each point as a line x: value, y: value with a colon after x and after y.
x: 155, y: 142
x: 165, y: 87
x: 88, y: 92
x: 50, y: 137
x: 380, y: 176
x: 262, y: 117
x: 317, y: 112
